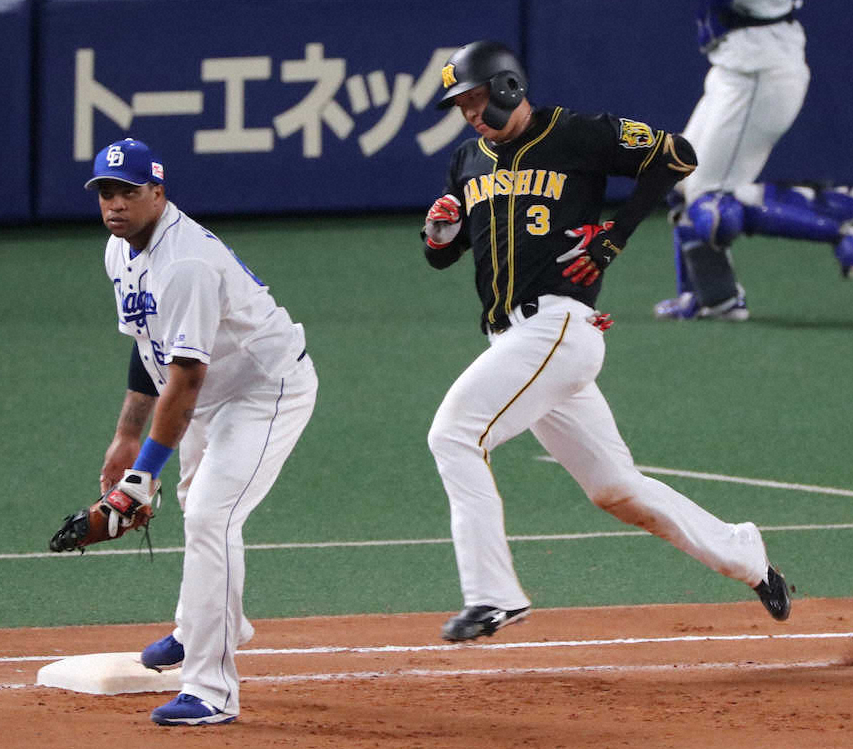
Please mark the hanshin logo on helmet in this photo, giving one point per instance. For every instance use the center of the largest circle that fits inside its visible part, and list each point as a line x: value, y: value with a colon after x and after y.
x: 448, y: 75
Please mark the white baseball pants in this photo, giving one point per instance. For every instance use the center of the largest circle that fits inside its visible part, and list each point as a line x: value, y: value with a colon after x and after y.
x: 540, y: 375
x: 230, y: 457
x: 737, y: 122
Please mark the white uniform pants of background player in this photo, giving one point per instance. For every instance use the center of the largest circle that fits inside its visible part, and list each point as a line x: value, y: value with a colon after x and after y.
x: 230, y: 457
x: 540, y: 375
x: 738, y: 121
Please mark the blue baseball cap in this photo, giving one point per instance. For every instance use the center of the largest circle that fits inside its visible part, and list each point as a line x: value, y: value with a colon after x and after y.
x: 128, y: 161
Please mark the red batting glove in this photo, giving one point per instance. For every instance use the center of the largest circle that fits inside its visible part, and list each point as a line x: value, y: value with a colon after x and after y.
x: 600, y: 320
x: 442, y: 222
x: 446, y: 208
x: 583, y: 271
x: 593, y: 253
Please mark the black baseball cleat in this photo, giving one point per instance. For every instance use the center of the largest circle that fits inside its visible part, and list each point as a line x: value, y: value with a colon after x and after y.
x: 774, y: 595
x: 474, y: 621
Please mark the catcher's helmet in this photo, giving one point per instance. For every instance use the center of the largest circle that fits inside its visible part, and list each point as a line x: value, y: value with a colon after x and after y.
x: 486, y: 63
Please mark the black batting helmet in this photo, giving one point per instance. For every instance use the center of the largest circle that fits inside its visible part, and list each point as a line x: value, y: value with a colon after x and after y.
x: 486, y: 63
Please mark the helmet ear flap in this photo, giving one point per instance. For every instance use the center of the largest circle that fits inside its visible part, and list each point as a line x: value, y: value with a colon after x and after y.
x: 506, y: 91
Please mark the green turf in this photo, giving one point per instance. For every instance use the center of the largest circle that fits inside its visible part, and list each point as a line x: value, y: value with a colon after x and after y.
x: 763, y: 399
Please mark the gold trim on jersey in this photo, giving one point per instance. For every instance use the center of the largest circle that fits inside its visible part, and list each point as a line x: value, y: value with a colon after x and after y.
x: 493, y: 227
x: 676, y: 164
x: 659, y: 140
x: 510, y: 250
x: 525, y: 386
x: 486, y: 150
x: 510, y: 182
x: 666, y: 144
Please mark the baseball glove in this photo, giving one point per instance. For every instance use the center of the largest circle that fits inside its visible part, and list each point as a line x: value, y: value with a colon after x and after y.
x: 127, y: 506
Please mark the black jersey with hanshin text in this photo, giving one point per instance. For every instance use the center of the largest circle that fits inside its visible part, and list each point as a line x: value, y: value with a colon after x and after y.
x: 519, y: 198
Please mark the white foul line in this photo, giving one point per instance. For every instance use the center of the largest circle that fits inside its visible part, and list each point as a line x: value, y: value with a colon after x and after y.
x: 616, y: 669
x: 552, y: 670
x: 406, y: 542
x: 768, y: 483
x: 548, y: 644
x: 463, y: 647
x: 749, y: 482
x: 374, y: 649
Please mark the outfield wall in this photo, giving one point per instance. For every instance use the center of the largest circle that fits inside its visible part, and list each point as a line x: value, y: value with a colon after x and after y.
x: 267, y: 106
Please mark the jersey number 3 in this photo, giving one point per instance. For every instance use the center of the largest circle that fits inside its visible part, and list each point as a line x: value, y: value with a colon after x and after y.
x: 540, y: 220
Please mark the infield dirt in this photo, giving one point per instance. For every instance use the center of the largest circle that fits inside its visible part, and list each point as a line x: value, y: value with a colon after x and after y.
x: 709, y: 676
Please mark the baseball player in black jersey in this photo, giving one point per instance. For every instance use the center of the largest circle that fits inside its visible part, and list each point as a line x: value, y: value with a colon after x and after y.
x: 526, y: 198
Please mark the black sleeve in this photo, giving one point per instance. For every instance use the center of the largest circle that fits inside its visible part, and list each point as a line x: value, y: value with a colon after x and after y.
x: 672, y: 160
x: 446, y: 256
x: 138, y: 378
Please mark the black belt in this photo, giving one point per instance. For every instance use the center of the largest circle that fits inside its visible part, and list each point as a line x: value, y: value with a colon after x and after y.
x: 502, y: 323
x: 733, y: 20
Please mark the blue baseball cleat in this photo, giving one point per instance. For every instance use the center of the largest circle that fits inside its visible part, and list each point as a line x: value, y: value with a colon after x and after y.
x: 188, y: 710
x: 686, y: 307
x: 844, y: 254
x: 682, y: 307
x: 165, y: 653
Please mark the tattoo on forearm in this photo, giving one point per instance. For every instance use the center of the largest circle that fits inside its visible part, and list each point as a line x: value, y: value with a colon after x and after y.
x: 135, y: 411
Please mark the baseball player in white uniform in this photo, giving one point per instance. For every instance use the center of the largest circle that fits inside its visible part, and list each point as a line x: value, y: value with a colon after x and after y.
x: 525, y: 199
x: 754, y: 91
x: 223, y: 371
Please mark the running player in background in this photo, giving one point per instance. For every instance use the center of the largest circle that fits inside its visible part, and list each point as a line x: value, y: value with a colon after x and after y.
x: 526, y: 198
x: 754, y: 91
x: 224, y: 373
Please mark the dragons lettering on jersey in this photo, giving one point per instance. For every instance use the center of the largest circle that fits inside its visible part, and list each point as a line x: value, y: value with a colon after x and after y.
x: 538, y: 182
x: 136, y: 305
x: 159, y: 356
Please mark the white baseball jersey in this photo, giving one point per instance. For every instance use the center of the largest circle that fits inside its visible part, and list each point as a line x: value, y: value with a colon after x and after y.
x: 187, y: 295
